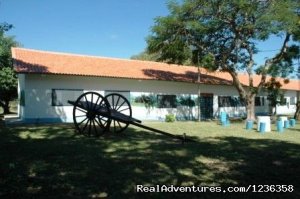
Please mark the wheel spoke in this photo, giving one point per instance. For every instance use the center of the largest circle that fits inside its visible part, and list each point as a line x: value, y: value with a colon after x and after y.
x: 113, y: 102
x: 88, y: 106
x: 80, y: 109
x: 90, y: 126
x: 123, y: 110
x: 80, y: 116
x: 96, y: 132
x: 118, y: 101
x: 85, y: 126
x: 100, y: 105
x: 119, y: 124
x: 82, y: 121
x: 115, y: 126
x: 96, y: 103
x: 85, y: 110
x: 102, y: 124
x: 99, y: 124
x: 120, y: 105
x: 105, y: 123
x: 102, y: 119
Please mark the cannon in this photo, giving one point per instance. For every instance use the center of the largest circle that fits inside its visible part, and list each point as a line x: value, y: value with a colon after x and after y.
x: 94, y: 115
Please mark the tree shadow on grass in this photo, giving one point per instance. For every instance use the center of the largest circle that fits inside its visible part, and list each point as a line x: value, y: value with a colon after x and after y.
x: 52, y: 162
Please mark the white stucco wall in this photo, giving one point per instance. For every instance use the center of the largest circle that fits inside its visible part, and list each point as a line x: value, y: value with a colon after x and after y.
x: 288, y: 108
x: 21, y: 87
x: 38, y: 94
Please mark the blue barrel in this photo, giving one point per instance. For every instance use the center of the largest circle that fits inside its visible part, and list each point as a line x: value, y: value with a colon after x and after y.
x: 262, y: 127
x: 292, y: 122
x: 279, y: 125
x: 249, y: 124
x: 223, y: 116
x: 225, y: 123
x: 286, y: 124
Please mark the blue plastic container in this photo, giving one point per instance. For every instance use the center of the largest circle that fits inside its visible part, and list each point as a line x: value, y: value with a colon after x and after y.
x: 249, y: 124
x: 279, y: 125
x: 292, y: 122
x: 224, y: 119
x: 286, y: 124
x: 223, y: 116
x: 262, y: 127
x: 225, y: 123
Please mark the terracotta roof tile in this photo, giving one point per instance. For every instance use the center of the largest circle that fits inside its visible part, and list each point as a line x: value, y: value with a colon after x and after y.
x: 35, y: 61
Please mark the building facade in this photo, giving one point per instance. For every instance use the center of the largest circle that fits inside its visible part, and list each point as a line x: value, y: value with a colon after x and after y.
x: 48, y: 80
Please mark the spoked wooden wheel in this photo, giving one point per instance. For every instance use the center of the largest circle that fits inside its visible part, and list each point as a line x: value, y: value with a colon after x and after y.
x: 119, y: 106
x: 86, y: 114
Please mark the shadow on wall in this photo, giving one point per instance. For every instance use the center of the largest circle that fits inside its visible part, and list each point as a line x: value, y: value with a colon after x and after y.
x: 183, y: 113
x: 189, y: 76
x: 39, y: 109
x: 38, y: 101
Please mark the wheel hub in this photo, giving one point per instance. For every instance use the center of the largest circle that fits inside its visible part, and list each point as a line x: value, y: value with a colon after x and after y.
x: 91, y: 115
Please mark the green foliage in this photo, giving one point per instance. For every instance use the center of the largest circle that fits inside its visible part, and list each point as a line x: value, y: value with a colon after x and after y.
x: 6, y: 43
x: 186, y: 101
x: 5, y: 27
x: 146, y: 56
x: 8, y: 84
x: 275, y: 94
x: 8, y: 80
x: 223, y: 35
x: 284, y: 67
x: 223, y: 29
x: 170, y: 118
x: 148, y: 100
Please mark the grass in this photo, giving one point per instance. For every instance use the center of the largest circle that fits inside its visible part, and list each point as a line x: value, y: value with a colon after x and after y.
x: 50, y: 161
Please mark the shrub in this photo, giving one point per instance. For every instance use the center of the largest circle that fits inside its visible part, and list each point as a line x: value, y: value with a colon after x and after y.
x: 170, y: 118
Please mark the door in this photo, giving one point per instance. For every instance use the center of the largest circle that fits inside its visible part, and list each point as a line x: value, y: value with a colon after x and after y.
x: 206, y: 106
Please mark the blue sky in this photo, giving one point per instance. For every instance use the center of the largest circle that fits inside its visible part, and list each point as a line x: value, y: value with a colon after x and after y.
x: 112, y: 28
x: 109, y: 28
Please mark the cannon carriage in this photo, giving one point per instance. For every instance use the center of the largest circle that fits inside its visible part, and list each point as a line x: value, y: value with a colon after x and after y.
x: 95, y: 115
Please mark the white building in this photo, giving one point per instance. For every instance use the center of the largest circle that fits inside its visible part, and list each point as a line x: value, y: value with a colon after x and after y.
x: 48, y: 79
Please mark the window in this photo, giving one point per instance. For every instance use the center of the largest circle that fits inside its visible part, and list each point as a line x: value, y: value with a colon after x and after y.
x: 293, y: 101
x: 283, y: 101
x: 259, y: 101
x: 60, y: 97
x: 224, y: 101
x: 229, y: 101
x: 166, y: 101
x: 126, y: 94
x: 186, y: 100
x: 147, y: 100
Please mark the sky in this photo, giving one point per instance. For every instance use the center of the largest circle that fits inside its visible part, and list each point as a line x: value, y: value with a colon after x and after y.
x: 108, y: 28
x: 111, y: 28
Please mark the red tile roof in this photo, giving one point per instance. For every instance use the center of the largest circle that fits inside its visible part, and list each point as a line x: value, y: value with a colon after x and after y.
x: 44, y: 62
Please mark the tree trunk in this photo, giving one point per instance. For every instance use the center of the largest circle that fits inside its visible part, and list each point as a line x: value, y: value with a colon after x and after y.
x: 250, y: 108
x: 199, y: 95
x: 297, y: 113
x: 5, y: 107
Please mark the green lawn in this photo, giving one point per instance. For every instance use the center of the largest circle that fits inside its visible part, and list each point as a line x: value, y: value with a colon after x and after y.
x: 50, y: 161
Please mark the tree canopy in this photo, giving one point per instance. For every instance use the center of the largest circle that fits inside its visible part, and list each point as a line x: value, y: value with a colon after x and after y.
x: 223, y: 35
x: 8, y: 80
